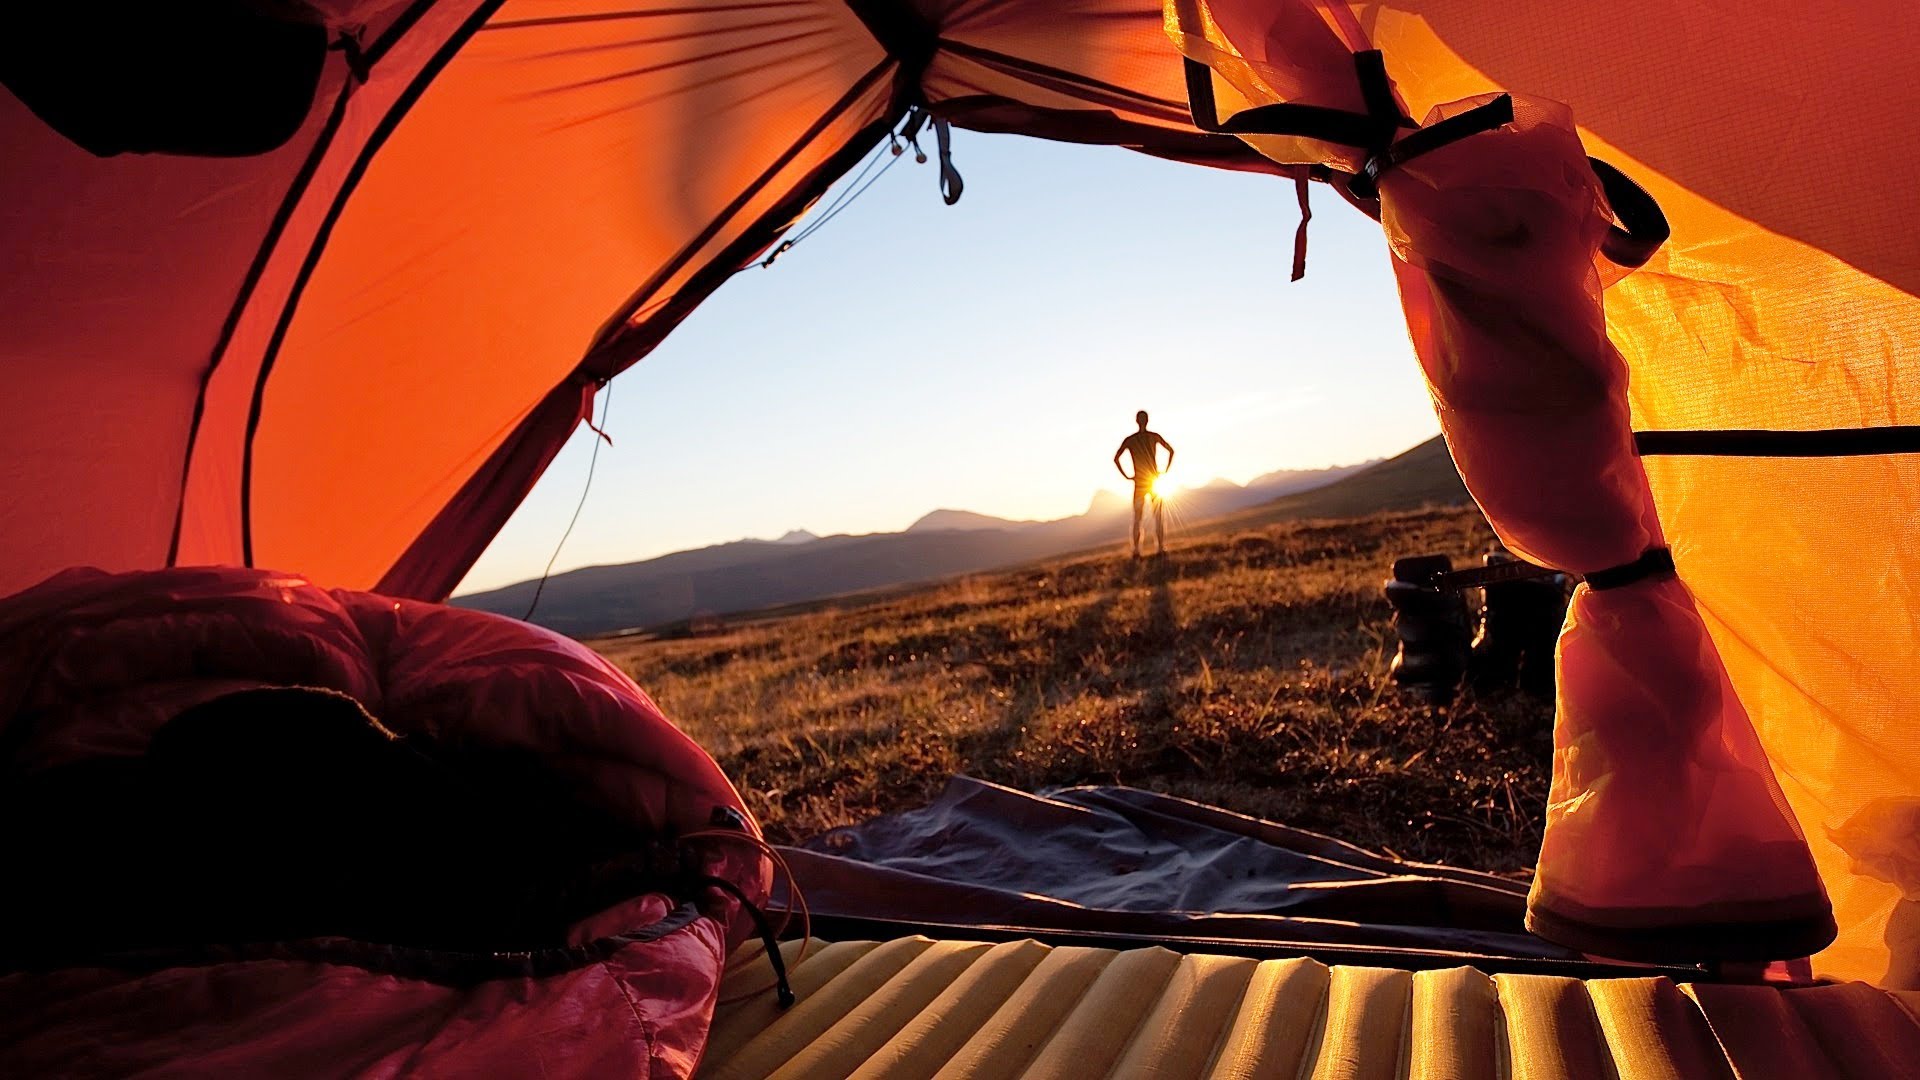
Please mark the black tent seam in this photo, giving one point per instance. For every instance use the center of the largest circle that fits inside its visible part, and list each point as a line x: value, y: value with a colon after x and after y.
x: 396, y: 30
x: 401, y: 106
x: 1767, y: 443
x: 638, y: 13
x: 282, y: 216
x: 1173, y: 109
x: 602, y: 361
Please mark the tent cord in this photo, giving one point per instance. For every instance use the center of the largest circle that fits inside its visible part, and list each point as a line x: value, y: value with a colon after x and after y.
x: 835, y: 212
x: 848, y: 193
x: 600, y: 430
x: 847, y: 197
x: 845, y: 194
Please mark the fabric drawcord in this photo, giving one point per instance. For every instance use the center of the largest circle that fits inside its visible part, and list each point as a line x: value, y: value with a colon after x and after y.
x: 782, y: 987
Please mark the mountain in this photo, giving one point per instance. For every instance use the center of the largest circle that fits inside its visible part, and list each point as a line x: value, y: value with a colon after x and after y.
x: 749, y: 574
x: 962, y: 520
x: 1422, y: 476
x: 795, y: 536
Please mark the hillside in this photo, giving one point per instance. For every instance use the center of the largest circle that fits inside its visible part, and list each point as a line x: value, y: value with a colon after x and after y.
x: 1422, y: 476
x: 1248, y: 669
x: 751, y: 574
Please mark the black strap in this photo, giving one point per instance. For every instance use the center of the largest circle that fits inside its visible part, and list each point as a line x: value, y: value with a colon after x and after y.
x: 1830, y: 442
x: 1486, y: 117
x: 1285, y: 118
x: 1642, y: 227
x: 1377, y: 91
x: 1653, y: 562
x: 783, y: 988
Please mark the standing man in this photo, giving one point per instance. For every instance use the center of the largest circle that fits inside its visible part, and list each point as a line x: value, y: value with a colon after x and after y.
x: 1145, y: 447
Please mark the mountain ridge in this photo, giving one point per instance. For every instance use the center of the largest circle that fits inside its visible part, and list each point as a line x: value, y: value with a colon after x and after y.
x: 745, y: 575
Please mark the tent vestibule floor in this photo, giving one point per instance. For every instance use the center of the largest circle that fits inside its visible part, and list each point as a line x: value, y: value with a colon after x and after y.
x: 917, y: 1007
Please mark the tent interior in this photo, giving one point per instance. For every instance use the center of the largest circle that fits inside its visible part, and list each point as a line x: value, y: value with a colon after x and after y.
x: 334, y: 312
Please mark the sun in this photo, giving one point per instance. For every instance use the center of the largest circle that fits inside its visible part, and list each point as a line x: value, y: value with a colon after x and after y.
x: 1162, y: 487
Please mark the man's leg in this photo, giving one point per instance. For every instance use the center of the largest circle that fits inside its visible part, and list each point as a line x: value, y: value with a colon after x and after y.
x: 1160, y: 525
x: 1139, y: 504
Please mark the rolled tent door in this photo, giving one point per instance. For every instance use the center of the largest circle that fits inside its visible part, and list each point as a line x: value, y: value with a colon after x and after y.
x: 1667, y: 835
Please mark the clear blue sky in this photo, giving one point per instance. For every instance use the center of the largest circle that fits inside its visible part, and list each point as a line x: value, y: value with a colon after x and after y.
x: 989, y: 356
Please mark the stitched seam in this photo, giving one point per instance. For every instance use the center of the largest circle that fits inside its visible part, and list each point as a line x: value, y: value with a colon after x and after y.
x: 646, y: 1029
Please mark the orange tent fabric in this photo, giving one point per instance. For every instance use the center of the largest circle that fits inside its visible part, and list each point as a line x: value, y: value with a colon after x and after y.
x: 1734, y: 326
x: 1786, y: 299
x: 1667, y: 838
x: 352, y: 355
x: 396, y: 318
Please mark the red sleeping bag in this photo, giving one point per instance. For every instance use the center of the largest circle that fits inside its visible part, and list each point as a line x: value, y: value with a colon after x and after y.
x: 258, y: 827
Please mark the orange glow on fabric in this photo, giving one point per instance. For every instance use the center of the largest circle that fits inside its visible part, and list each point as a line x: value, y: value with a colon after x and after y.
x: 1667, y: 836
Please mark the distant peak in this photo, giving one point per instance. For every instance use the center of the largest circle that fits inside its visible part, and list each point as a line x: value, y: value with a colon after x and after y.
x: 796, y: 536
x: 958, y: 519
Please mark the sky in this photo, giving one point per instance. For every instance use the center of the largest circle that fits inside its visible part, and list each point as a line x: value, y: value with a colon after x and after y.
x: 989, y: 356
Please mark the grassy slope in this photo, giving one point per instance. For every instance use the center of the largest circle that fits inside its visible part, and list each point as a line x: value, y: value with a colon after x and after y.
x: 754, y: 575
x: 1248, y: 669
x: 1422, y: 476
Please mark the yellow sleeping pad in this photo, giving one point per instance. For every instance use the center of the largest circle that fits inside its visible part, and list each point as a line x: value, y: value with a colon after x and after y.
x: 918, y: 1008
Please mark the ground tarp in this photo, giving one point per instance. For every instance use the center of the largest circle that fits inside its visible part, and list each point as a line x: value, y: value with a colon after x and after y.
x: 1117, y: 860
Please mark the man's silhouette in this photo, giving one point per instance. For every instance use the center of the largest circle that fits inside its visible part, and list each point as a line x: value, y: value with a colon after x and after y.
x: 1145, y: 447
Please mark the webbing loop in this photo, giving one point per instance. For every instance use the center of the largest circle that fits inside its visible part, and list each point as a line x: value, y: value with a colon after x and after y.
x: 951, y: 185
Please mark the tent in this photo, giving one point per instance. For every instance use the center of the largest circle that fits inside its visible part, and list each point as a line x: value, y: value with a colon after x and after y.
x: 334, y: 312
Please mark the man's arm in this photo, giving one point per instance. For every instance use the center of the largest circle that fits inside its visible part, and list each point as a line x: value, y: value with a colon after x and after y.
x: 1116, y: 462
x: 1169, y: 447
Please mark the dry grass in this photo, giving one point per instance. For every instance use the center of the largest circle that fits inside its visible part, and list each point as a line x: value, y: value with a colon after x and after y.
x: 1248, y: 670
